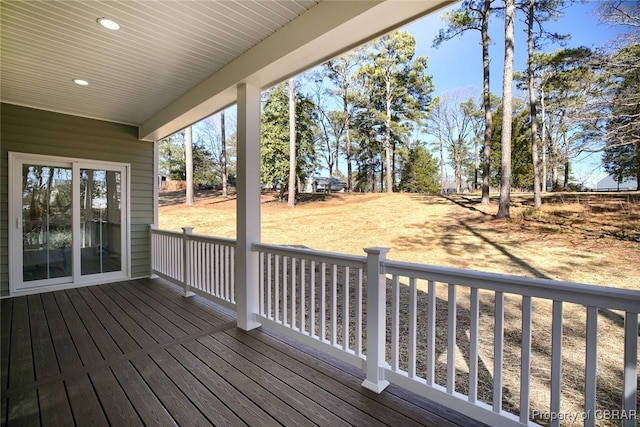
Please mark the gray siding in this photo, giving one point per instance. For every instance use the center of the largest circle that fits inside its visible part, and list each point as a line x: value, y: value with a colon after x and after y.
x: 28, y: 130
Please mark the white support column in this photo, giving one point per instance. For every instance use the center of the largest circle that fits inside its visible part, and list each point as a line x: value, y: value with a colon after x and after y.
x: 156, y: 183
x: 248, y: 206
x: 376, y: 320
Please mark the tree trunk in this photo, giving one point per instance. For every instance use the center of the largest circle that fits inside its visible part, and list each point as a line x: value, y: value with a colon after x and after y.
x: 565, y: 185
x: 507, y: 111
x: 223, y: 154
x: 537, y: 199
x: 292, y: 143
x: 347, y: 133
x: 543, y: 140
x: 188, y: 151
x: 442, y: 178
x: 486, y: 94
x: 387, y: 142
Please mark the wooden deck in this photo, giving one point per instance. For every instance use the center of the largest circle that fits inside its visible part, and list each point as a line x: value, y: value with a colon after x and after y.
x: 137, y: 353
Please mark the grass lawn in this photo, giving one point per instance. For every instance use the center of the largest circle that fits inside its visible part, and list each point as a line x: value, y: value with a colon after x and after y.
x: 578, y: 237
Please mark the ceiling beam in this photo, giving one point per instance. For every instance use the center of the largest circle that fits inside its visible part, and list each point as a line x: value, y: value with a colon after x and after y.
x: 325, y: 31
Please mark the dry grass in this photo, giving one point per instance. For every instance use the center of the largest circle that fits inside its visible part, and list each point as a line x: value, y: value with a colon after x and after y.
x: 579, y: 238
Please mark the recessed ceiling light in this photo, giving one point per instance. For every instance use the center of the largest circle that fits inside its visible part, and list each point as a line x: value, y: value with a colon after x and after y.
x: 108, y: 24
x: 81, y: 82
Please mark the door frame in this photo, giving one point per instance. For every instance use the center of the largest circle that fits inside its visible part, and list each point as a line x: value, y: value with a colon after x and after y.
x: 16, y: 160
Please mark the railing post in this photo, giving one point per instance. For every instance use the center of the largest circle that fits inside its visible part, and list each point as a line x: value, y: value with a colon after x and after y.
x: 376, y: 319
x: 186, y: 256
x: 152, y: 252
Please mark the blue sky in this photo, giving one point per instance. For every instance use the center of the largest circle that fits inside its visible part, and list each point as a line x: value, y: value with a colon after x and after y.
x: 458, y: 63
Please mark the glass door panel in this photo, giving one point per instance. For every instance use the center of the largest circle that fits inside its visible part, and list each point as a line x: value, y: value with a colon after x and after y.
x: 100, y: 221
x: 47, y: 231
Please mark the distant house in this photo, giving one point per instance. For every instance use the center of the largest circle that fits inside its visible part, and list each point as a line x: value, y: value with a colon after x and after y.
x: 611, y: 184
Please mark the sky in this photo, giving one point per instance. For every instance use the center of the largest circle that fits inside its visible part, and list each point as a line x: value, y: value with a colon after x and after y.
x: 457, y: 63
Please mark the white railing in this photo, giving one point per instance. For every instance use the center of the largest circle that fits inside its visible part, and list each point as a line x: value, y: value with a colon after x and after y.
x: 203, y: 265
x: 314, y: 296
x: 504, y: 350
x: 467, y: 318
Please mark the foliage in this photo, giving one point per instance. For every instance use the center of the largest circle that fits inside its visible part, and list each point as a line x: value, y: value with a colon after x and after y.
x: 475, y: 15
x: 173, y: 161
x: 208, y: 134
x: 622, y: 154
x: 452, y: 122
x: 420, y: 172
x: 274, y: 162
x: 400, y: 89
x: 521, y: 166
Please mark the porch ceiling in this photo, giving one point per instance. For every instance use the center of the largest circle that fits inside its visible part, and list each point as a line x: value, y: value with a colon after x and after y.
x: 172, y: 62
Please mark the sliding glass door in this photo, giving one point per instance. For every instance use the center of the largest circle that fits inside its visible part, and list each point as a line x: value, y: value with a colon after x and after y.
x: 68, y: 222
x: 100, y: 221
x: 46, y: 231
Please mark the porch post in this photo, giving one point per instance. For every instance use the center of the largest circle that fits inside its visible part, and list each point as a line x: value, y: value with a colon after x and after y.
x: 248, y: 205
x: 376, y: 319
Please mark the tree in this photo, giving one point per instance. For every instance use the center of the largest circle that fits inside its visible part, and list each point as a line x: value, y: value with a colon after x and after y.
x: 420, y: 172
x: 474, y: 15
x: 172, y: 162
x: 621, y: 156
x: 223, y: 154
x: 341, y: 73
x: 274, y: 162
x: 292, y: 143
x: 507, y: 111
x: 188, y: 150
x: 451, y: 120
x: 537, y: 12
x: 219, y: 138
x: 521, y: 166
x: 570, y: 84
x: 403, y: 90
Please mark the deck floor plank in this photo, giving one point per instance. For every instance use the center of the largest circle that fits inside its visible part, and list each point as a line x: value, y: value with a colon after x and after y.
x: 128, y: 323
x: 105, y: 343
x: 144, y: 321
x: 187, y: 308
x: 84, y: 402
x: 158, y: 317
x: 21, y: 357
x: 248, y: 411
x: 22, y: 409
x: 113, y: 399
x: 109, y: 322
x: 6, y: 314
x: 179, y: 317
x: 248, y: 387
x: 203, y: 398
x: 138, y: 353
x: 54, y: 405
x: 44, y: 355
x: 150, y: 409
x: 349, y: 391
x: 276, y: 385
x: 330, y: 401
x: 176, y: 402
x: 65, y: 349
x: 82, y: 339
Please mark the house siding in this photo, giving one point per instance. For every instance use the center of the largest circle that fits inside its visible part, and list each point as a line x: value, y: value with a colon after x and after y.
x: 28, y: 130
